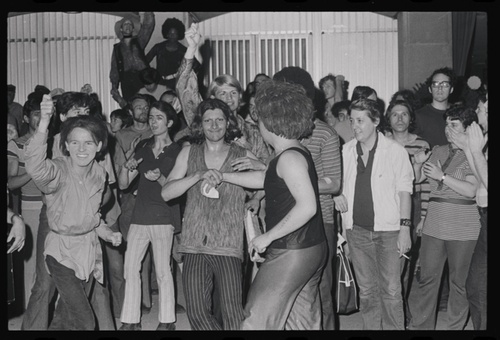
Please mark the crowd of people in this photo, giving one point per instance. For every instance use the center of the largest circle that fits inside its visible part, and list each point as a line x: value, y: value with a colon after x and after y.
x: 106, y: 213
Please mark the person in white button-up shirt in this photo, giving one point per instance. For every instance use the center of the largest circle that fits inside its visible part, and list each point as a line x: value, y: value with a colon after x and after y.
x: 376, y: 207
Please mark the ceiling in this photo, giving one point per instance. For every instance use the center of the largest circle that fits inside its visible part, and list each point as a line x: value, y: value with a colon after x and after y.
x: 196, y: 16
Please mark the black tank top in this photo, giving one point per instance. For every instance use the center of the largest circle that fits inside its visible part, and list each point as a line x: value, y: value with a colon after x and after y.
x: 279, y: 201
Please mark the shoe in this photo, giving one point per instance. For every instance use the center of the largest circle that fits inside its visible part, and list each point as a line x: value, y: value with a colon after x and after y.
x: 163, y: 326
x: 179, y: 309
x: 145, y: 310
x: 130, y: 327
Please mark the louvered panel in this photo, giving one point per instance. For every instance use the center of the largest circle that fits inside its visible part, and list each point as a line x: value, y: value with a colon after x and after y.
x: 57, y: 49
x: 362, y: 46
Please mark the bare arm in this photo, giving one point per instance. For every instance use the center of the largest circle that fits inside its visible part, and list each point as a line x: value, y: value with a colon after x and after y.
x: 339, y: 88
x: 128, y: 172
x: 465, y: 187
x: 177, y: 182
x: 248, y: 179
x: 292, y: 167
x: 404, y: 238
x: 15, y: 181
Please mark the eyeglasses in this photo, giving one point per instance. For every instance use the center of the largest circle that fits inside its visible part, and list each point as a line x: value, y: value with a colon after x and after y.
x: 436, y: 84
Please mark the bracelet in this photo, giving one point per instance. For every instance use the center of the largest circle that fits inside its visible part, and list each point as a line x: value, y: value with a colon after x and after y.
x: 405, y: 222
x: 16, y: 215
x: 442, y: 178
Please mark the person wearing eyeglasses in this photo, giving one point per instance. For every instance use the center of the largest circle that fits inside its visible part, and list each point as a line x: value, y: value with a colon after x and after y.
x: 430, y: 120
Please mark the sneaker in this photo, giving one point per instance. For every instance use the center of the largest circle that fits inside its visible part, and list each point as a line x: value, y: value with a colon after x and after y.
x: 179, y: 309
x: 130, y: 327
x: 163, y: 326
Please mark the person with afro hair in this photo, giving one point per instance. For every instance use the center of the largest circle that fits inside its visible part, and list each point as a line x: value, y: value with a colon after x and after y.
x: 169, y: 53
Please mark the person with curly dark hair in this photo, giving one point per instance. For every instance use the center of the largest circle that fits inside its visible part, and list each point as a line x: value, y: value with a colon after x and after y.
x: 169, y: 53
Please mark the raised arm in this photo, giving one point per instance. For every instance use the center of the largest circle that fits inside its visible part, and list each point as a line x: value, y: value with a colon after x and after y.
x: 43, y: 171
x: 187, y: 81
x: 475, y: 155
x: 147, y: 28
x: 128, y: 172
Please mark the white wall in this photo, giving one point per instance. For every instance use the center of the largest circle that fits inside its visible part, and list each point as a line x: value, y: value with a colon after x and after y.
x: 362, y: 46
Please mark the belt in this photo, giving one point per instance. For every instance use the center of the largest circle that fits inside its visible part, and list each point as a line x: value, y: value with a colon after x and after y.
x: 452, y: 200
x: 72, y: 234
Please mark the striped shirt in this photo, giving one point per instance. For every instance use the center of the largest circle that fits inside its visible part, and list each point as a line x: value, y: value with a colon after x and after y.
x: 15, y: 152
x: 482, y: 192
x: 414, y: 144
x: 325, y: 151
x: 448, y: 221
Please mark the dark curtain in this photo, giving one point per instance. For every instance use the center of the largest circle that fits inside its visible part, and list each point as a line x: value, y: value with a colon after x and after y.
x: 463, y: 26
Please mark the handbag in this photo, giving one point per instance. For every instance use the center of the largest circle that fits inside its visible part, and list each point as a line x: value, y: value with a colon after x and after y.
x: 346, y: 290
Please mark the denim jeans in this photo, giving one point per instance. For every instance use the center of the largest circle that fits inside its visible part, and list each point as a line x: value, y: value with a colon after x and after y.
x: 73, y: 310
x: 113, y: 258
x: 433, y: 254
x: 477, y: 279
x: 377, y: 268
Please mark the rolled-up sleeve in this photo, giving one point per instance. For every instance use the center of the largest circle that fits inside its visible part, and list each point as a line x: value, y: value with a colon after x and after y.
x: 404, y: 170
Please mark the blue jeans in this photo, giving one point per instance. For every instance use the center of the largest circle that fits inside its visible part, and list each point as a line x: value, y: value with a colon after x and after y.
x: 477, y: 278
x: 73, y: 310
x: 377, y: 268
